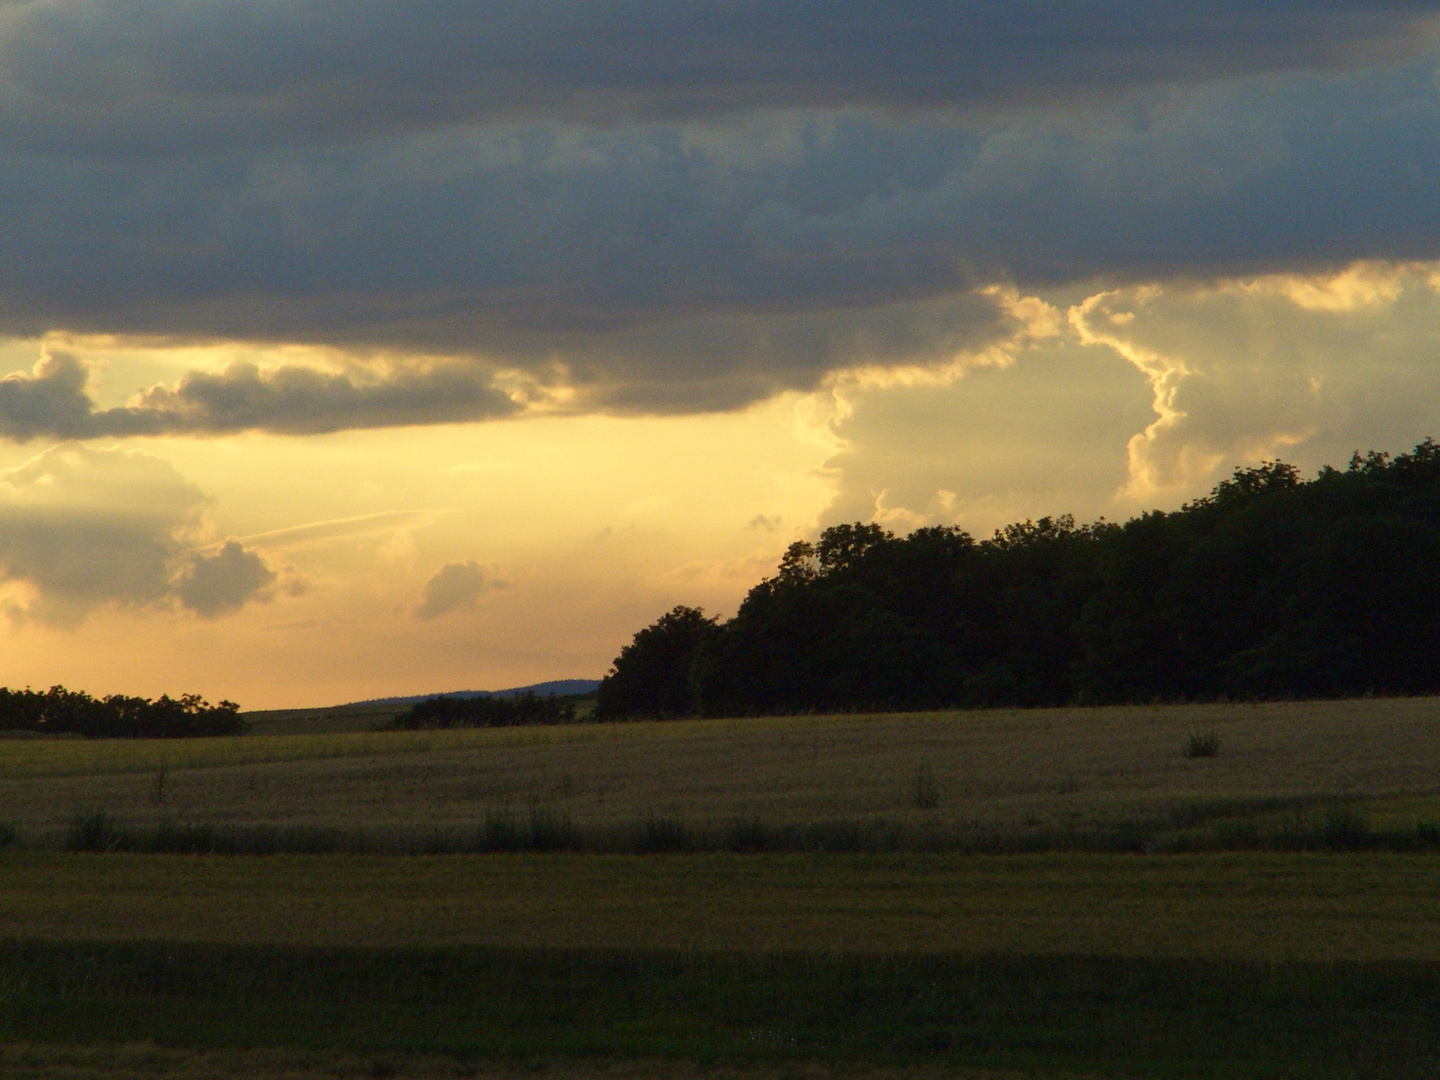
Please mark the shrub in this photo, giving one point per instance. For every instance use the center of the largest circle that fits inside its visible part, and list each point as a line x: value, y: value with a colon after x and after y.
x: 1346, y: 828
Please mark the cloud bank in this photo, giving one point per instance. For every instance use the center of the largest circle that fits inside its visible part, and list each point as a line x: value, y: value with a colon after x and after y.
x: 52, y: 400
x: 658, y: 208
x: 161, y: 75
x: 505, y: 240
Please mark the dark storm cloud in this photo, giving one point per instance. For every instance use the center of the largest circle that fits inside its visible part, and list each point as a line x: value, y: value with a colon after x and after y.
x: 727, y: 361
x: 155, y: 73
x: 53, y: 401
x: 423, y: 178
x: 506, y: 242
x: 1295, y: 173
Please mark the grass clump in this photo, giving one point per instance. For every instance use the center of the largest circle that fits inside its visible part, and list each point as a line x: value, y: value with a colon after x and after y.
x: 925, y: 796
x: 1202, y: 746
x: 1288, y: 824
x: 541, y: 829
x: 98, y: 831
x: 659, y: 833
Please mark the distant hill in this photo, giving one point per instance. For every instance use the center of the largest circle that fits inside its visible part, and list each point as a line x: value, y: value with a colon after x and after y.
x: 558, y: 687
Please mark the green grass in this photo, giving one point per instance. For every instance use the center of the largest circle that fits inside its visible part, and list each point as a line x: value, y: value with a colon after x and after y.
x: 1241, y: 907
x: 335, y: 718
x: 1230, y: 965
x: 146, y: 1061
x: 1111, y: 1017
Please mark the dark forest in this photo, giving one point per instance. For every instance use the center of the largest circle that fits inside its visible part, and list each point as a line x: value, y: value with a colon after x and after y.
x: 1270, y: 587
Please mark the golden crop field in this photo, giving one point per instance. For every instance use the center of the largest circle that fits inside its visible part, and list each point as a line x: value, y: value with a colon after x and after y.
x: 1226, y: 963
x: 1003, y: 770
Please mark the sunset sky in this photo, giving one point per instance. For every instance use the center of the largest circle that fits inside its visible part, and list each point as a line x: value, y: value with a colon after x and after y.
x: 361, y: 348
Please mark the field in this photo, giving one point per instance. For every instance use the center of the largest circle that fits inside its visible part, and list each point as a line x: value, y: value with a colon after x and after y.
x: 962, y: 894
x: 1009, y: 779
x: 1316, y: 907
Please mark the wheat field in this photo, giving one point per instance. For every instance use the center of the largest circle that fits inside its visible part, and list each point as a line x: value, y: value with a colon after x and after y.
x: 1226, y: 963
x: 988, y: 770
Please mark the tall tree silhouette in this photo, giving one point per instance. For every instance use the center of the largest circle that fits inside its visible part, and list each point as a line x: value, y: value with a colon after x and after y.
x: 651, y: 676
x: 1270, y: 586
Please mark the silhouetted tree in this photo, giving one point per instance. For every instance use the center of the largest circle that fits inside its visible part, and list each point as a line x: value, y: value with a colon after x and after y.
x: 652, y: 675
x: 485, y: 711
x: 59, y: 711
x: 1270, y: 586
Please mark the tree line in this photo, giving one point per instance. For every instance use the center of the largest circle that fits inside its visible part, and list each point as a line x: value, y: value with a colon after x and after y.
x: 511, y: 711
x: 59, y: 711
x: 1269, y: 587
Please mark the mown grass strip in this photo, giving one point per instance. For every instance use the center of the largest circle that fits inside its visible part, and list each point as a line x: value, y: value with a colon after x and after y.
x: 1111, y: 1017
x: 1240, y: 907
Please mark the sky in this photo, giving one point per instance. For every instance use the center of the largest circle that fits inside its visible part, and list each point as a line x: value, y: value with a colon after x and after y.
x: 366, y: 348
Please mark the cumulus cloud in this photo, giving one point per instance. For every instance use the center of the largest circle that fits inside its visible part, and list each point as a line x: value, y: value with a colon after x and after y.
x: 50, y: 400
x: 1045, y: 434
x: 218, y: 584
x: 297, y: 400
x: 1273, y: 367
x: 1147, y: 397
x: 456, y: 586
x: 80, y: 528
x: 53, y: 400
